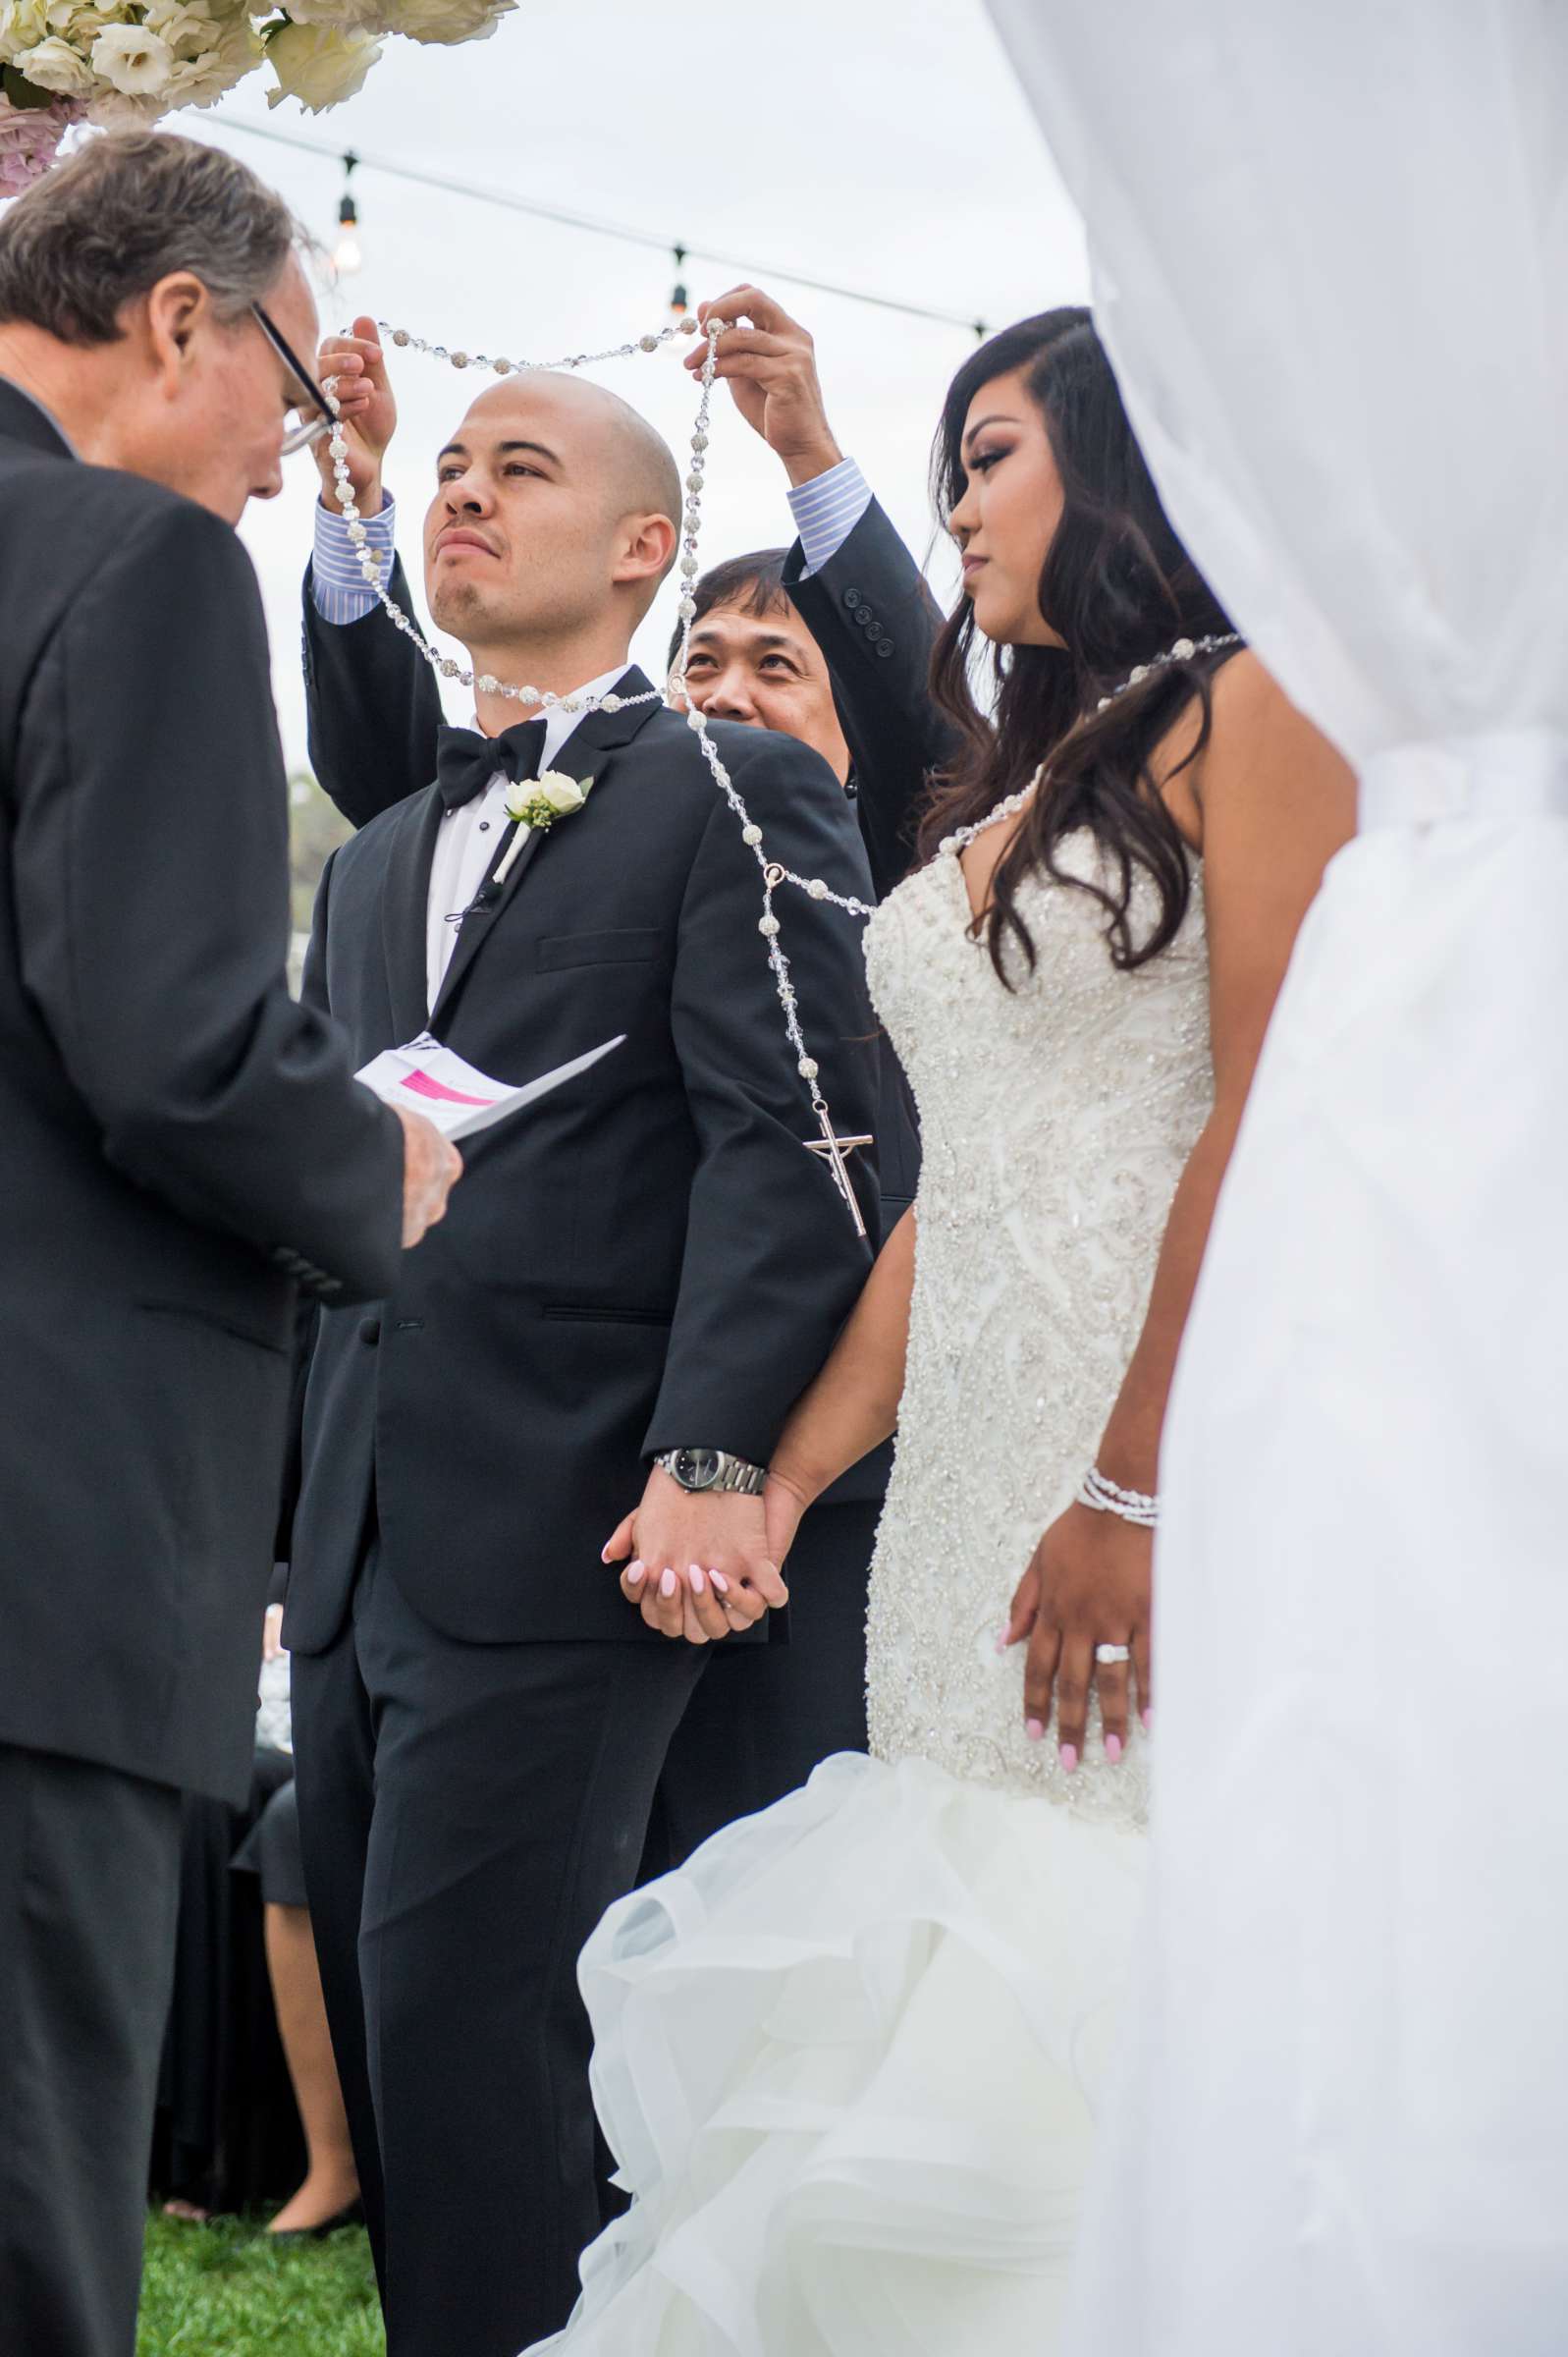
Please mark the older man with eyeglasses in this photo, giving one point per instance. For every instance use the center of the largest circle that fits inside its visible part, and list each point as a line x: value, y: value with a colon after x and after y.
x: 184, y: 1149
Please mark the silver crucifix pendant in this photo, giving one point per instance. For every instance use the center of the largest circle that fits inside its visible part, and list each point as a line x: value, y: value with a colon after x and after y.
x: 835, y: 1152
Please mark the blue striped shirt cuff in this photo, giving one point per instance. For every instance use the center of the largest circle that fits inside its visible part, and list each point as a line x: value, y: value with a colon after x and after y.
x: 827, y: 510
x: 337, y: 585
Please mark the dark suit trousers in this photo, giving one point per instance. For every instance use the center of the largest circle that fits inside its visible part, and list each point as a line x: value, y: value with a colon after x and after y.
x: 467, y: 1812
x: 89, y: 1873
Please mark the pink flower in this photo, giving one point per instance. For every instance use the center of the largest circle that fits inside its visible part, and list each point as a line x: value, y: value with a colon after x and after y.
x: 29, y: 138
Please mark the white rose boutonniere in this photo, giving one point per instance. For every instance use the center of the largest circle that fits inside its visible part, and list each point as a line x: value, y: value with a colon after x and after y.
x: 536, y: 803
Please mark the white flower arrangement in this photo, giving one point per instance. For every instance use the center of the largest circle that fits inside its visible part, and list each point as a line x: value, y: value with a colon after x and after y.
x: 123, y: 61
x: 536, y: 803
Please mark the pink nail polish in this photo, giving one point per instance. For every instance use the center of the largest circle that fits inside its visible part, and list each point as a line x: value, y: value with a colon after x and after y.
x: 667, y: 1584
x: 1112, y: 1747
x: 1148, y: 1719
x: 1034, y: 1728
x: 720, y: 1584
x: 635, y: 1573
x: 1069, y: 1759
x: 1002, y: 1640
x: 698, y: 1582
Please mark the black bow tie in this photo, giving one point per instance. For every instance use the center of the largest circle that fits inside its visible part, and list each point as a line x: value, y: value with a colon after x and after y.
x: 465, y: 762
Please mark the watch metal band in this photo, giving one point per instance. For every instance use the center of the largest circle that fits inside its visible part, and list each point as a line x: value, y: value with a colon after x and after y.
x: 714, y: 1469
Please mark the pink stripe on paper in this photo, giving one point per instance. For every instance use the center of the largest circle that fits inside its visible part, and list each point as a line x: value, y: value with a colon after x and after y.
x: 423, y: 1086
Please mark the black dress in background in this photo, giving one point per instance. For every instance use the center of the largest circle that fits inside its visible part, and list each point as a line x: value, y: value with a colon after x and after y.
x: 228, y: 2135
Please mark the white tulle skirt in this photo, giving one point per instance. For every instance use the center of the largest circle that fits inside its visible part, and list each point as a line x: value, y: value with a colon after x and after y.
x: 846, y: 2060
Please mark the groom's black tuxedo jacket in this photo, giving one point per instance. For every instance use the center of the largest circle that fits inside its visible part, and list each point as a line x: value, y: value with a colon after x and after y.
x: 646, y: 1259
x: 180, y: 1143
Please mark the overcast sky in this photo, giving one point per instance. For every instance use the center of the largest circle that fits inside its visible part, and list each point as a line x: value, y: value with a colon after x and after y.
x: 886, y: 146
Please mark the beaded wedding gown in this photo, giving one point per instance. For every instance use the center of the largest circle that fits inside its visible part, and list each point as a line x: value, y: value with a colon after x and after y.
x: 847, y: 2056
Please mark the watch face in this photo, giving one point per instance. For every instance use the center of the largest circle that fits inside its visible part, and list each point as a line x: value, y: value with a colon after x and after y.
x: 697, y: 1468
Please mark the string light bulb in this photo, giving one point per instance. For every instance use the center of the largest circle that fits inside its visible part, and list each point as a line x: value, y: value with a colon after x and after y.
x: 679, y: 300
x: 347, y: 257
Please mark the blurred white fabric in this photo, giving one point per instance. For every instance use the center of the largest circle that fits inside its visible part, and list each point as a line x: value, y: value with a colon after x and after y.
x: 273, y: 1714
x: 1331, y: 266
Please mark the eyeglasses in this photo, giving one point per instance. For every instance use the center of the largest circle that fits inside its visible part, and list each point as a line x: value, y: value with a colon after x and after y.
x: 309, y: 429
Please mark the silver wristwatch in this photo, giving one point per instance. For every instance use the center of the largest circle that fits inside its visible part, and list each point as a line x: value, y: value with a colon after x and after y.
x: 714, y: 1469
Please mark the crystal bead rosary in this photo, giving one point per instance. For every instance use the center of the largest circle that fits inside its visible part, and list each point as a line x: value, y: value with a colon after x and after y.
x: 830, y: 1146
x: 773, y: 873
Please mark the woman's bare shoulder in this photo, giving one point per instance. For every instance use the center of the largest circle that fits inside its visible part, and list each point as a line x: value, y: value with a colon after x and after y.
x: 1258, y: 739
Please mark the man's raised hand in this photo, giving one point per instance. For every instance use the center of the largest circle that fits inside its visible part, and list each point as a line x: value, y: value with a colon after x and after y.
x: 771, y: 368
x: 354, y: 367
x: 699, y: 1564
x: 431, y: 1169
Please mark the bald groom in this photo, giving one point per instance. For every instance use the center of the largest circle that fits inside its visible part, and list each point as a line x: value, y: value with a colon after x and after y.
x: 647, y: 1266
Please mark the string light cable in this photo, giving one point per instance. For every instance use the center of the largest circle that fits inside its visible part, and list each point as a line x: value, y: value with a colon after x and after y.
x: 627, y: 234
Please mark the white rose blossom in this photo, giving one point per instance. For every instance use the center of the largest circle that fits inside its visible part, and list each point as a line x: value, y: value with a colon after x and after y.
x: 349, y: 16
x: 24, y: 24
x: 79, y: 23
x: 125, y: 63
x: 447, y: 22
x: 214, y: 42
x: 189, y: 26
x: 55, y: 66
x: 562, y: 793
x: 132, y: 61
x: 207, y: 77
x: 111, y: 110
x: 318, y: 64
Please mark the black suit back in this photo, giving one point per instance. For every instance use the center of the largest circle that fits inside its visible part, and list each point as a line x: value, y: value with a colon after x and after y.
x: 180, y: 1142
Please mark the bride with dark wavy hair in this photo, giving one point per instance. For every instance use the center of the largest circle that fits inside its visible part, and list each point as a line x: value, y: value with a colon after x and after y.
x: 848, y: 2056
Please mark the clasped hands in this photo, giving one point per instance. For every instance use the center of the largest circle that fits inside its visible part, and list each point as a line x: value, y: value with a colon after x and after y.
x: 700, y: 1566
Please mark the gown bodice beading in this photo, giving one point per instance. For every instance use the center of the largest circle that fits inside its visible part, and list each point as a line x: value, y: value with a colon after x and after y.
x: 1055, y: 1120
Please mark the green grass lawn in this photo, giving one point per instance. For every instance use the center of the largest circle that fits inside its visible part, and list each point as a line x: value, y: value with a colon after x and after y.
x: 226, y: 2290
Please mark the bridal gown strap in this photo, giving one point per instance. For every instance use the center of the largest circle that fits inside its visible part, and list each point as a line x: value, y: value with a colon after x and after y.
x: 846, y: 2058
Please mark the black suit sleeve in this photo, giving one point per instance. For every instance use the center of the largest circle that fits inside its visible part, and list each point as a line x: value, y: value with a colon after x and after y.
x: 372, y: 707
x: 773, y: 1265
x: 308, y: 1310
x: 876, y: 621
x: 152, y: 906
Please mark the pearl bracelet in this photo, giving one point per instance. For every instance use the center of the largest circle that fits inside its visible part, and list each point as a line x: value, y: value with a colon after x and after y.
x: 1108, y: 1497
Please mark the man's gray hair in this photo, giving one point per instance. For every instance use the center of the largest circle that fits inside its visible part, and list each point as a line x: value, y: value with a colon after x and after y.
x: 127, y: 209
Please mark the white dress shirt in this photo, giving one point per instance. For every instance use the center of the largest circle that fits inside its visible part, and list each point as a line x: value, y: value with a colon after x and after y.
x: 467, y: 837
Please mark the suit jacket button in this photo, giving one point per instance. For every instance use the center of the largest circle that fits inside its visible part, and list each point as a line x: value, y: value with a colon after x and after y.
x: 884, y: 646
x: 851, y: 598
x: 371, y: 1329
